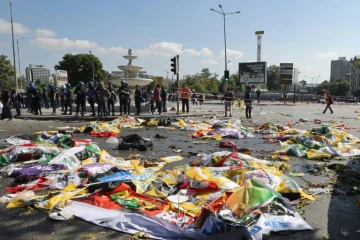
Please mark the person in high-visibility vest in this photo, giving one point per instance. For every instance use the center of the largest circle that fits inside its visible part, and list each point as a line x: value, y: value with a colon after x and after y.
x: 185, y: 95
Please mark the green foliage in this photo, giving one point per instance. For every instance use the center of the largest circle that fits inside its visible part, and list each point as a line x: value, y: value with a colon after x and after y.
x: 202, y: 82
x: 356, y: 92
x: 80, y: 68
x: 6, y: 73
x: 339, y: 87
x: 273, y: 75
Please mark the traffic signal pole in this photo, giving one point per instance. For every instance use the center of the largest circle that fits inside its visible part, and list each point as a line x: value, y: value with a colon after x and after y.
x: 178, y: 95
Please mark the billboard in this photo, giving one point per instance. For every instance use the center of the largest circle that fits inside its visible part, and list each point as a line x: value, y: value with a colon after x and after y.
x: 286, y: 73
x: 61, y: 77
x: 252, y: 72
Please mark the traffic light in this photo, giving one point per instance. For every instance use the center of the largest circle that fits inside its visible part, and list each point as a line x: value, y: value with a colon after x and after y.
x: 175, y: 64
x: 226, y: 75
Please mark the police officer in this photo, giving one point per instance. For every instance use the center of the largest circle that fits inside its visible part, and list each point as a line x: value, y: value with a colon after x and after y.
x: 111, y: 100
x: 45, y: 96
x: 91, y: 95
x: 36, y: 99
x: 80, y: 98
x: 103, y: 95
x: 68, y: 98
x: 123, y: 96
x: 52, y: 97
x: 62, y: 98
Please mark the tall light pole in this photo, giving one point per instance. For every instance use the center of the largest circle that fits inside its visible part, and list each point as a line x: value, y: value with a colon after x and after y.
x: 13, y: 45
x: 224, y: 15
x: 17, y: 43
x: 93, y: 67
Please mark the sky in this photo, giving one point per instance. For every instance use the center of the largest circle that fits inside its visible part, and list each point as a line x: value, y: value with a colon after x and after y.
x: 307, y: 33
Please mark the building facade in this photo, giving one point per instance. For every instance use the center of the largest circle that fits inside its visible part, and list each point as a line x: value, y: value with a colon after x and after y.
x: 354, y: 73
x: 34, y: 72
x: 339, y: 68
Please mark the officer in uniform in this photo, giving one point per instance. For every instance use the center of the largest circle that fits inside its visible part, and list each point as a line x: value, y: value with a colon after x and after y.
x: 111, y: 100
x: 91, y: 95
x: 123, y: 96
x: 52, y: 97
x: 68, y: 99
x: 80, y: 98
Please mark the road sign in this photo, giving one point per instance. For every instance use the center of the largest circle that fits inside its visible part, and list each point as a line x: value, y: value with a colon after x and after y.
x: 61, y: 77
x: 286, y: 73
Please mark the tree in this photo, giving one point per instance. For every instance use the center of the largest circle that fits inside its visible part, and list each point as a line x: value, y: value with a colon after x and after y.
x: 273, y: 75
x: 325, y: 85
x: 356, y: 92
x: 340, y: 87
x: 80, y: 68
x: 6, y: 73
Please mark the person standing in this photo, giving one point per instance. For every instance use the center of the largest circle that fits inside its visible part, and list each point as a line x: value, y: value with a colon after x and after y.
x: 329, y: 100
x: 157, y: 98
x: 228, y: 99
x: 137, y: 97
x: 111, y: 100
x: 248, y: 102
x: 151, y: 100
x: 103, y: 95
x: 80, y: 98
x: 15, y: 101
x: 128, y: 98
x: 258, y: 93
x: 5, y: 100
x: 46, y: 97
x: 123, y: 97
x: 36, y: 96
x: 62, y: 98
x: 91, y: 94
x: 52, y: 97
x: 68, y: 99
x: 163, y: 95
x: 185, y: 95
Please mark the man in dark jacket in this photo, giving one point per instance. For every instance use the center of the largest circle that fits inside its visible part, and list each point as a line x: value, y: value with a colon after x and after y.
x: 5, y: 100
x: 137, y: 97
x: 91, y: 95
x: 248, y: 102
x: 111, y: 100
x: 123, y: 97
x: 52, y: 97
x: 80, y: 98
x: 228, y: 99
x: 68, y: 99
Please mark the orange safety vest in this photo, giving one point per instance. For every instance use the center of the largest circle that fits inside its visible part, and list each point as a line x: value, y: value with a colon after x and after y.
x: 185, y: 93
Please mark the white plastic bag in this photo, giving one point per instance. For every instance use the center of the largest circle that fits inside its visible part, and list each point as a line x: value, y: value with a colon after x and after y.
x: 112, y: 140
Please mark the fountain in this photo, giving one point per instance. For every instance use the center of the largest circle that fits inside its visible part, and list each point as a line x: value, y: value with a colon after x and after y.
x: 131, y: 74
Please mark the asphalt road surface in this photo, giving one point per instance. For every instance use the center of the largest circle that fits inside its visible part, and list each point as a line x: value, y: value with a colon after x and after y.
x: 331, y: 215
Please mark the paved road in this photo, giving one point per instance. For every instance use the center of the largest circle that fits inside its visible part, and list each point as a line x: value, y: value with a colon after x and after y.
x: 328, y: 215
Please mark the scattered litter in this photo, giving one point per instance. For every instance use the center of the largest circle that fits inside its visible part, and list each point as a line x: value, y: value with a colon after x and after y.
x: 61, y: 215
x: 303, y: 120
x: 297, y: 174
x: 112, y: 140
x: 316, y: 191
x: 345, y: 232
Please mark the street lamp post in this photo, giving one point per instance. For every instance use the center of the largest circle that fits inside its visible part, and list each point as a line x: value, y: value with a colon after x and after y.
x: 17, y: 42
x: 312, y: 81
x: 93, y: 73
x: 224, y: 15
